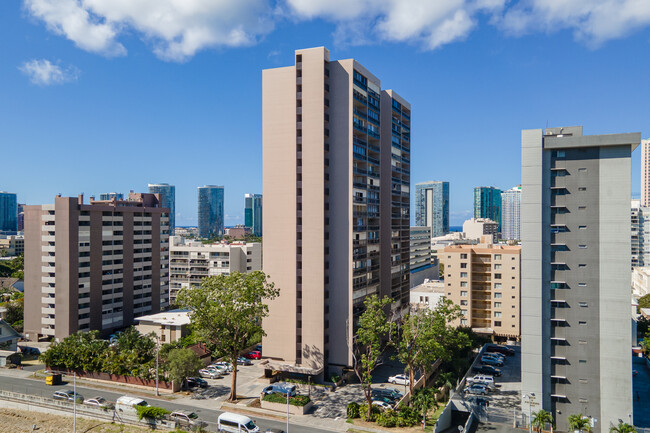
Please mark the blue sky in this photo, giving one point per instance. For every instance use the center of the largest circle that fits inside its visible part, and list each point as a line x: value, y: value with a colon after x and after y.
x: 99, y: 95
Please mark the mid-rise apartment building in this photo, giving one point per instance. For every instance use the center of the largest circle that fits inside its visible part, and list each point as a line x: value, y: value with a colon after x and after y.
x: 211, y: 216
x: 12, y: 245
x: 8, y: 212
x: 510, y: 214
x: 487, y: 203
x: 422, y: 265
x: 576, y: 333
x: 476, y: 228
x: 336, y: 212
x: 191, y: 261
x: 640, y: 238
x: 94, y: 266
x: 253, y: 213
x: 432, y: 206
x: 484, y: 279
x: 645, y: 173
x: 640, y: 282
x: 167, y: 199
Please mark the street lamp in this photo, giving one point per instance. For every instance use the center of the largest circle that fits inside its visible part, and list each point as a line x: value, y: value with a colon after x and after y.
x: 157, y: 349
x: 74, y: 402
x: 287, y: 411
x: 530, y: 396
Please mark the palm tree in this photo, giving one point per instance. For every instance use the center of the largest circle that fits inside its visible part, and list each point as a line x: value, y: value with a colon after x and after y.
x: 540, y: 419
x: 446, y: 382
x: 423, y: 400
x: 622, y: 427
x: 579, y: 423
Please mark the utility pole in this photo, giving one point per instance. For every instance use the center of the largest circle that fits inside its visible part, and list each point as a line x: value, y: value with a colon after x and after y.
x: 157, y: 349
x: 74, y: 402
x: 287, y: 411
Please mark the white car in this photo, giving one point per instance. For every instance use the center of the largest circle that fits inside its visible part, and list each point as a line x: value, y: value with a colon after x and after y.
x: 224, y: 364
x: 210, y: 373
x: 399, y: 379
x: 98, y: 402
x: 220, y: 368
x: 381, y: 404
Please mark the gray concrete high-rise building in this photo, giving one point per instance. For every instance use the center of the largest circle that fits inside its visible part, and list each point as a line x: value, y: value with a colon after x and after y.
x: 94, y: 266
x: 8, y: 212
x: 211, y: 216
x: 253, y: 213
x: 576, y: 321
x: 510, y: 214
x: 336, y: 206
x: 432, y: 206
x: 168, y: 199
x: 645, y: 173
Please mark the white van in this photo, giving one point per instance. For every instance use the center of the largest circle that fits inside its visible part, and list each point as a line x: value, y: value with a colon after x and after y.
x: 233, y: 423
x: 126, y: 404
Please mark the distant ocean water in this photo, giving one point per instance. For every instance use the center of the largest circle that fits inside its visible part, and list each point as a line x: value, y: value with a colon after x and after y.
x: 455, y: 228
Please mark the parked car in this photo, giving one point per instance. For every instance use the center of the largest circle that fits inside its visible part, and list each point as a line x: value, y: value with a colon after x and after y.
x: 476, y: 389
x: 226, y: 365
x: 68, y: 395
x: 193, y: 382
x: 127, y: 404
x: 389, y: 392
x: 487, y: 369
x: 496, y: 356
x: 273, y: 430
x: 399, y: 379
x: 280, y: 388
x: 220, y: 368
x: 481, y: 401
x: 210, y: 373
x: 491, y: 361
x: 234, y: 423
x: 187, y: 420
x: 382, y: 404
x: 500, y: 349
x: 99, y: 402
x: 243, y: 361
x: 255, y: 354
x: 386, y: 399
x: 258, y: 347
x: 481, y: 378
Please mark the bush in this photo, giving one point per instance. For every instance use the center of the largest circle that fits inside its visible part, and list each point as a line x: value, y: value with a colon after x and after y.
x: 299, y: 400
x: 353, y: 410
x: 151, y: 412
x: 334, y: 378
x: 374, y: 411
x: 407, y: 417
x: 387, y: 418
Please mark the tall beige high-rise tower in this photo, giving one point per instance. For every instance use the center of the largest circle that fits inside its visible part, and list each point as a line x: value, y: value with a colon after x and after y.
x: 645, y: 173
x: 336, y: 206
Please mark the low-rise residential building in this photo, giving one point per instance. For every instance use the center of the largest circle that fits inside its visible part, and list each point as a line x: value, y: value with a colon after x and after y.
x: 187, y: 232
x: 192, y: 260
x: 238, y: 232
x: 427, y: 295
x: 484, y: 280
x: 168, y: 326
x: 423, y: 267
x: 12, y: 245
x: 640, y: 282
x: 94, y: 266
x: 476, y: 228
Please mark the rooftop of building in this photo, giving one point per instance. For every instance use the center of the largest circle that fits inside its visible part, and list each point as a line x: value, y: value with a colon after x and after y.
x: 172, y: 317
x: 180, y: 241
x: 430, y: 286
x: 485, y: 247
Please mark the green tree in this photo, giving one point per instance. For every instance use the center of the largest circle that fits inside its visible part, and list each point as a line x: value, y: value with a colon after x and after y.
x: 579, y: 423
x: 423, y: 400
x: 183, y: 363
x: 622, y: 427
x: 227, y: 310
x: 541, y: 418
x: 372, y: 331
x: 15, y: 313
x: 644, y: 301
x: 446, y: 381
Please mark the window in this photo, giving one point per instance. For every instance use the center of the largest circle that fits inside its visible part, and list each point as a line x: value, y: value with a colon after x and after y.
x: 463, y: 284
x: 582, y: 169
x: 463, y: 265
x: 582, y: 361
x: 463, y: 322
x: 582, y: 188
x: 497, y: 295
x: 497, y: 285
x: 497, y: 305
x: 582, y: 207
x: 582, y: 322
x: 497, y: 314
x: 497, y: 266
x: 463, y: 302
x: 583, y: 246
x: 582, y: 227
x: 497, y: 257
x: 582, y: 304
x: 463, y: 256
x: 582, y: 341
x: 463, y: 312
x: 497, y: 323
x: 463, y: 293
x: 463, y: 274
x: 582, y: 284
x: 559, y: 154
x: 582, y: 265
x: 497, y: 276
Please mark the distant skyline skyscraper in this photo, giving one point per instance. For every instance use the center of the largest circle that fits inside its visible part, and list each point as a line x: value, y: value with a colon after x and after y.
x: 510, y: 213
x: 168, y: 200
x: 645, y: 173
x: 253, y: 213
x: 8, y: 212
x: 211, y: 217
x: 487, y: 203
x: 432, y: 206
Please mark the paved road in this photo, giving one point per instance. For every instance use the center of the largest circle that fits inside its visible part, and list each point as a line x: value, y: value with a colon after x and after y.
x: 38, y: 387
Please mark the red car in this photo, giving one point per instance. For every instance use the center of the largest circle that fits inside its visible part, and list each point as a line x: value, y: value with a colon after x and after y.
x: 255, y: 354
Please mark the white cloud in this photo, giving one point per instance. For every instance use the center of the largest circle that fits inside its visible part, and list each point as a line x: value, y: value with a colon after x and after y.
x: 44, y: 73
x: 176, y: 29
x: 593, y: 21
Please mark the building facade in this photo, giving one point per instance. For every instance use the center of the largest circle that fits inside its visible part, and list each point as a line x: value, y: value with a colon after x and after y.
x: 510, y: 214
x: 484, y: 280
x: 422, y: 265
x: 487, y: 203
x: 253, y: 213
x: 168, y: 199
x: 12, y: 245
x: 191, y: 261
x: 427, y: 295
x: 476, y: 228
x: 94, y: 266
x: 640, y: 282
x: 111, y: 195
x: 336, y: 213
x: 576, y: 333
x: 8, y: 212
x: 432, y: 206
x: 645, y: 173
x: 211, y: 215
x: 640, y: 239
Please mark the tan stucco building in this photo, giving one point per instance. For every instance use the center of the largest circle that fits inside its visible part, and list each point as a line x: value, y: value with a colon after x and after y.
x: 484, y: 280
x: 336, y: 206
